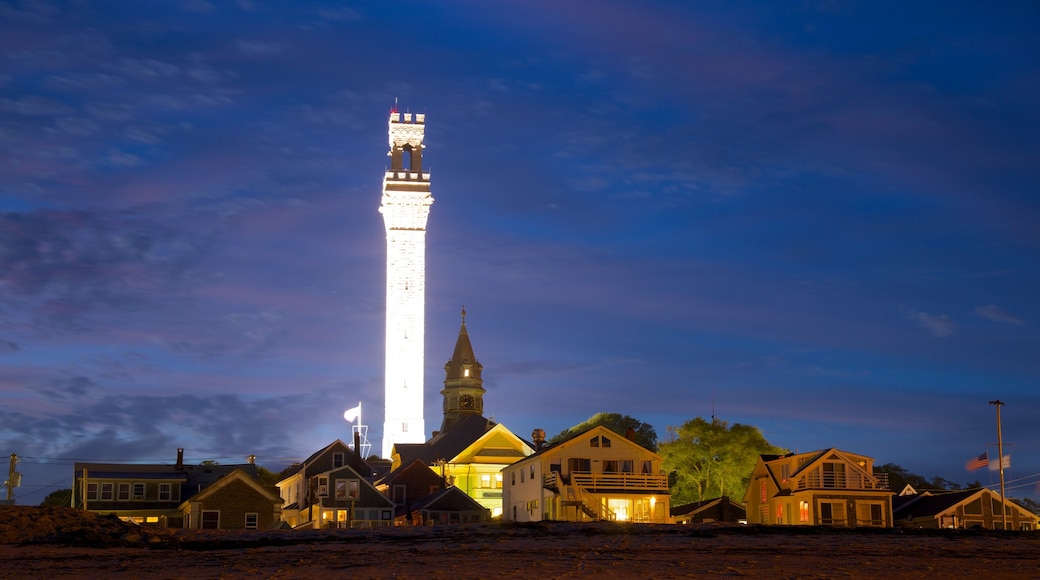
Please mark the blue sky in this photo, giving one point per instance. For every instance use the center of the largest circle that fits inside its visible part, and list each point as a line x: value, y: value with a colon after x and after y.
x: 818, y: 218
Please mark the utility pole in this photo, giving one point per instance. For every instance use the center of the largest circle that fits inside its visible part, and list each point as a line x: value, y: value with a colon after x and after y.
x: 1000, y: 459
x: 14, y: 479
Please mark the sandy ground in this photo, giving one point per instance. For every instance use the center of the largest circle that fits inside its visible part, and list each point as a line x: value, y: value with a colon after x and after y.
x: 63, y: 548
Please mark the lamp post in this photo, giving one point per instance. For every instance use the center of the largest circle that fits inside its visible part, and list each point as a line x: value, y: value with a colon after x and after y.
x: 1000, y: 460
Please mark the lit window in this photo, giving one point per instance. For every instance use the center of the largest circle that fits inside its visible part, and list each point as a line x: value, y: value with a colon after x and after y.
x: 485, y: 480
x: 803, y: 511
x: 404, y: 427
x: 465, y: 372
x: 498, y: 481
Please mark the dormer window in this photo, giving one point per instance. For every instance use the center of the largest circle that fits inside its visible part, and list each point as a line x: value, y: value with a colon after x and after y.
x: 465, y: 372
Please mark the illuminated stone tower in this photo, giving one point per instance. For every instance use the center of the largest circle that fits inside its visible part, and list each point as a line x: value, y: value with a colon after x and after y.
x: 463, y: 388
x: 406, y: 205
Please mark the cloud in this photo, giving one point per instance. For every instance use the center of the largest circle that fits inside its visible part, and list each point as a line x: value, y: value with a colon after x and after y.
x: 67, y: 388
x: 60, y: 266
x: 996, y: 314
x: 940, y: 326
x: 34, y: 106
x: 8, y: 347
x: 256, y: 48
x: 132, y: 427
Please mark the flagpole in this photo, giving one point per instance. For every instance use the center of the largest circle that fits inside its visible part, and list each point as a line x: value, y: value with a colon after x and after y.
x: 1000, y: 459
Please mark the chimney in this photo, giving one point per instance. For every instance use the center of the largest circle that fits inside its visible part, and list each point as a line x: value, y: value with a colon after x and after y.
x: 435, y: 433
x: 357, y: 444
x: 630, y: 434
x: 251, y: 459
x: 180, y: 458
x: 538, y: 436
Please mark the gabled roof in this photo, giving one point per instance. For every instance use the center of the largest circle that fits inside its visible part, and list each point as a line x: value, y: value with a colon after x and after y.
x: 350, y: 458
x: 227, y: 479
x: 407, y: 472
x: 730, y: 510
x: 448, y: 499
x: 583, y: 436
x: 814, y: 458
x: 930, y: 504
x: 447, y: 444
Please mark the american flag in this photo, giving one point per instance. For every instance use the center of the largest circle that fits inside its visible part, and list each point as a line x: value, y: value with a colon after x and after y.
x: 977, y: 462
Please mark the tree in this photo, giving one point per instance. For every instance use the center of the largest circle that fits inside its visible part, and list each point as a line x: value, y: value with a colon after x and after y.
x: 1029, y: 504
x: 706, y: 460
x: 645, y: 434
x: 898, y: 478
x: 59, y: 498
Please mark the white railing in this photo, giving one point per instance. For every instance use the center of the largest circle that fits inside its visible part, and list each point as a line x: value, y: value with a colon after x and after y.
x: 633, y: 481
x: 818, y: 479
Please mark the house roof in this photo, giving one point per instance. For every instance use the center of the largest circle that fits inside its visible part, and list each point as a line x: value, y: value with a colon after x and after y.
x: 227, y: 479
x: 414, y: 469
x: 549, y: 449
x: 930, y: 504
x: 691, y: 509
x: 446, y: 444
x: 447, y: 499
x: 192, y: 479
x: 351, y: 458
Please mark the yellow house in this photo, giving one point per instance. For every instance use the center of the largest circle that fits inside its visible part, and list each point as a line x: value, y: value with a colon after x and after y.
x: 829, y: 487
x: 595, y: 475
x: 470, y: 450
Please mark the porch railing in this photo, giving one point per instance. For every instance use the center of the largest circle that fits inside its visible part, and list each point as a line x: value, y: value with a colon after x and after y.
x: 817, y: 480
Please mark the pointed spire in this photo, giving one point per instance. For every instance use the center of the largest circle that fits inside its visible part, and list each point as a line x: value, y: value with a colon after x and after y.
x: 462, y: 358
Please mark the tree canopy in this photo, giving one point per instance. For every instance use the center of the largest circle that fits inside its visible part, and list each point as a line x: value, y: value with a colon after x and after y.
x: 709, y: 459
x: 59, y: 498
x: 899, y: 477
x: 645, y: 434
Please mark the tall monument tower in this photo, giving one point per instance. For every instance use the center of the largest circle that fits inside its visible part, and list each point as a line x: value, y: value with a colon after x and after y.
x: 405, y: 207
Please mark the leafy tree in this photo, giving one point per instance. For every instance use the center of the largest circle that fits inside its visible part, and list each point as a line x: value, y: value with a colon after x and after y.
x: 709, y: 459
x: 1029, y: 504
x: 59, y: 498
x: 899, y: 477
x: 645, y: 434
x: 266, y: 476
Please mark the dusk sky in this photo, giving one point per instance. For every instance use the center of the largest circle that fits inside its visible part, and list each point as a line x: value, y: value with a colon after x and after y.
x: 818, y: 218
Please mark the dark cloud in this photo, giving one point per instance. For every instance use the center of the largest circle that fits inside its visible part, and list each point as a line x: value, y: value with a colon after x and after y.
x: 67, y: 265
x: 8, y: 347
x: 68, y: 388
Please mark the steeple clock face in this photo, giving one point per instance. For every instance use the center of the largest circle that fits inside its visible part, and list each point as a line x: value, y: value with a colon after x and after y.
x: 467, y: 402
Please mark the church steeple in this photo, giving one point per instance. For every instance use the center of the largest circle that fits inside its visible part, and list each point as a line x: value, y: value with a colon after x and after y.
x: 463, y: 391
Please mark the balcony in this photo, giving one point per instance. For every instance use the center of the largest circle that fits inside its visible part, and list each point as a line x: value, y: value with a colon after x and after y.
x: 619, y: 481
x: 829, y: 480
